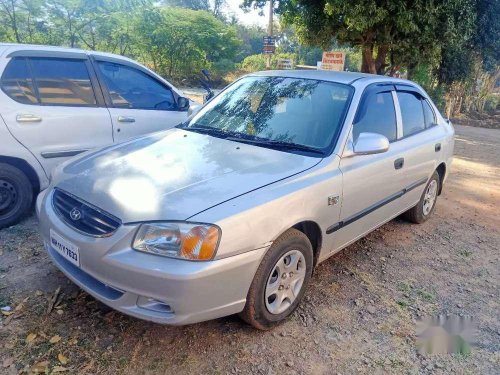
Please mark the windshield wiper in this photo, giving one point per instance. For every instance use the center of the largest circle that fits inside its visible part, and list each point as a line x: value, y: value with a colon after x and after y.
x: 278, y: 144
x: 206, y: 130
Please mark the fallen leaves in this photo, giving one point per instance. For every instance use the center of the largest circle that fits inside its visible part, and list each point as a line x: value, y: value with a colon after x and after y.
x: 53, y: 300
x: 55, y: 339
x: 59, y: 369
x: 30, y: 338
x: 40, y: 367
x: 12, y: 313
x: 7, y: 310
x: 62, y: 358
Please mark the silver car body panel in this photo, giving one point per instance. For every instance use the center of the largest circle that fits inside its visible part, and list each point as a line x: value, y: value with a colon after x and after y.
x: 253, y: 194
x: 197, y: 173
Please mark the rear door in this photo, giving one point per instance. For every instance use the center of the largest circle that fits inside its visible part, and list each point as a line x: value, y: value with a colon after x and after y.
x: 421, y: 138
x: 52, y: 105
x: 139, y: 102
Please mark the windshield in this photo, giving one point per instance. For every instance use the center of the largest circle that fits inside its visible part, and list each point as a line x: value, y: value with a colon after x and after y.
x: 276, y: 112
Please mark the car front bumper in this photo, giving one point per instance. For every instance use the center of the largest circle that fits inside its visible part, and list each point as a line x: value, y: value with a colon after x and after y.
x: 150, y: 287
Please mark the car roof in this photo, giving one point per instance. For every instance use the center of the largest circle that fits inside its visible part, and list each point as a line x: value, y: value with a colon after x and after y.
x: 40, y: 47
x: 331, y: 76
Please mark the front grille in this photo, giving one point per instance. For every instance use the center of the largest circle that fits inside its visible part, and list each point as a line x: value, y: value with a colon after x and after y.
x: 82, y: 216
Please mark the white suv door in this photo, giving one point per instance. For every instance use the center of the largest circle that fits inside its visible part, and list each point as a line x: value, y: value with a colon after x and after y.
x: 52, y: 104
x: 138, y: 101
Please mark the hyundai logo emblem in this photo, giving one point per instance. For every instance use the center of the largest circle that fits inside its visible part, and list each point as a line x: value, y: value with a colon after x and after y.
x: 75, y: 214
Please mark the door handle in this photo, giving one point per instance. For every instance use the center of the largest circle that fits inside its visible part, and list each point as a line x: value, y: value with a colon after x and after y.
x: 28, y: 118
x: 398, y: 163
x: 126, y: 119
x: 437, y: 147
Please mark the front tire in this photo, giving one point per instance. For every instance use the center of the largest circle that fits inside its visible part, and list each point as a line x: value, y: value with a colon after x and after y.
x: 16, y: 195
x: 280, y: 281
x: 425, y: 207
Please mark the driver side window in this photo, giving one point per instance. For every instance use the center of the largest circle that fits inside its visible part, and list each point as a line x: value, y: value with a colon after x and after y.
x: 376, y: 114
x: 131, y: 88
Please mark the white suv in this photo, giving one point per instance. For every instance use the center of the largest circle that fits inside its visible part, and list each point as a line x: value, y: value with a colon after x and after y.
x: 58, y: 102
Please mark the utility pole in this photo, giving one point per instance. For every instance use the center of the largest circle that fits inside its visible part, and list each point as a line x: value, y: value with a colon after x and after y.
x: 270, y: 31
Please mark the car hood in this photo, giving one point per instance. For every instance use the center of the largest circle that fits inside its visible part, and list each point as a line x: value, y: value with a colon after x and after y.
x: 173, y: 175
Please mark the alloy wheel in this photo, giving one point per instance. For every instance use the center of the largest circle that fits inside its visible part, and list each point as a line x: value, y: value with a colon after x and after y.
x: 430, y: 197
x: 285, y: 282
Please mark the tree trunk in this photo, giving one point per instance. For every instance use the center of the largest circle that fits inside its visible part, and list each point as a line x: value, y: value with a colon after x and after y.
x: 14, y: 22
x: 368, y: 62
x: 380, y: 63
x: 372, y: 64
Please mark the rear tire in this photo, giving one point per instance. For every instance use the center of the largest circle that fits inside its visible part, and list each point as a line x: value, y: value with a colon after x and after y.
x: 425, y: 207
x: 16, y: 195
x: 280, y: 281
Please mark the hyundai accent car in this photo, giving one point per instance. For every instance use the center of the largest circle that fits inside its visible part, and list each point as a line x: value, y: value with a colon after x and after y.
x: 58, y: 102
x: 231, y: 211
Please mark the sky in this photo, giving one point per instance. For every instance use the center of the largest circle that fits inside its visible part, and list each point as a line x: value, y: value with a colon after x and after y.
x: 250, y: 18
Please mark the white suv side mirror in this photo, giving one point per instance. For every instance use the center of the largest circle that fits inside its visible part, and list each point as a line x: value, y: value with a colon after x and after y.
x: 371, y: 143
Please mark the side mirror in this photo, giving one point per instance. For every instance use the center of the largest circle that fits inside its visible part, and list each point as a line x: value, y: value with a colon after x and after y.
x: 371, y: 143
x: 183, y: 103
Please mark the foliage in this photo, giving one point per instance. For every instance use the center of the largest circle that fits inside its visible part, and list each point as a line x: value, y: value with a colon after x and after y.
x: 255, y: 63
x: 175, y: 42
x: 183, y: 41
x: 388, y: 32
x: 251, y: 37
x: 456, y: 43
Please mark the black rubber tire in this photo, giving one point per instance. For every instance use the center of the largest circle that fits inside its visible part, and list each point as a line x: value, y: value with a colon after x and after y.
x: 20, y: 187
x: 416, y: 213
x: 255, y: 311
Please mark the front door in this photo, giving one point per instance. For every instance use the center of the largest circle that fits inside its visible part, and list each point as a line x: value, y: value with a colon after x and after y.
x: 371, y: 183
x: 53, y: 106
x: 138, y: 102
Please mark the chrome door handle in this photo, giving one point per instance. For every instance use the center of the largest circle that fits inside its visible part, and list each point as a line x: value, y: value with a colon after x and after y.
x: 28, y: 118
x: 126, y: 119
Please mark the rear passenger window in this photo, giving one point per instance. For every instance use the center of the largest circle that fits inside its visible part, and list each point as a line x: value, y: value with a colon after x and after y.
x: 63, y: 82
x: 376, y: 115
x: 411, y: 112
x: 16, y: 82
x: 430, y: 119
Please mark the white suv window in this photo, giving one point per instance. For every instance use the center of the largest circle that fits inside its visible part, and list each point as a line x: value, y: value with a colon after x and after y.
x: 131, y: 88
x: 16, y: 82
x: 63, y: 82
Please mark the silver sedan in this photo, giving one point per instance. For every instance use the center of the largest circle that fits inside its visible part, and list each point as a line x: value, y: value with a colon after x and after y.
x: 231, y: 211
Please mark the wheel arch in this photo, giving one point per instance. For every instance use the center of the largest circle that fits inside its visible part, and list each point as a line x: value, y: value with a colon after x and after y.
x: 441, y: 170
x: 313, y: 232
x: 26, y: 168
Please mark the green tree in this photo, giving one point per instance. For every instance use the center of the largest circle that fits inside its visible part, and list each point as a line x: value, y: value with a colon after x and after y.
x: 189, y: 4
x: 180, y: 42
x: 19, y: 20
x: 251, y: 37
x: 388, y: 32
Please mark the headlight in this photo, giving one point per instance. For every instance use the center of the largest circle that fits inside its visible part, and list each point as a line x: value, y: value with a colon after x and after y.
x: 193, y: 241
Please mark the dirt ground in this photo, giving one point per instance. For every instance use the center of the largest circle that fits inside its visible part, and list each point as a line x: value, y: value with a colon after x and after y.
x: 358, y: 315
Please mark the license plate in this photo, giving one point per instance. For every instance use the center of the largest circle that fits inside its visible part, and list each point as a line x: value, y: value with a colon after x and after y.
x: 65, y: 248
